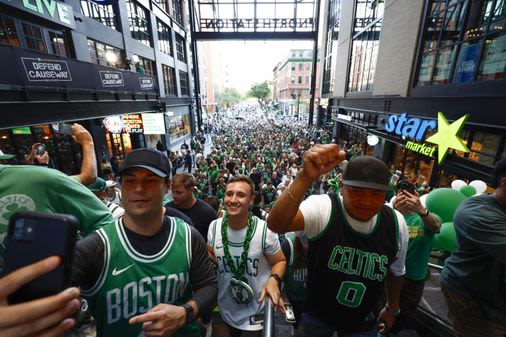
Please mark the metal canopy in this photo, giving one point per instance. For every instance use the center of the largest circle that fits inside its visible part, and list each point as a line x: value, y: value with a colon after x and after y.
x: 254, y: 20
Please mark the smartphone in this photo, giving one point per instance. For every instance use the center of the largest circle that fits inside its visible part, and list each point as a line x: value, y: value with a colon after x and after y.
x: 33, y: 236
x: 289, y: 314
x: 405, y: 185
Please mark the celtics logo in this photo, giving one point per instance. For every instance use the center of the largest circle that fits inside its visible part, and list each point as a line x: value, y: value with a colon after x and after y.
x: 240, y: 291
x: 13, y: 203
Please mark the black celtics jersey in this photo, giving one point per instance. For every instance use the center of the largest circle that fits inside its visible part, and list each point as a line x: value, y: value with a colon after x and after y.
x: 347, y: 269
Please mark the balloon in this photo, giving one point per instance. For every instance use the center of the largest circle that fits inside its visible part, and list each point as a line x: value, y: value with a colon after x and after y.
x: 444, y: 202
x: 479, y: 185
x: 423, y: 200
x: 458, y: 184
x: 446, y: 239
x: 468, y: 190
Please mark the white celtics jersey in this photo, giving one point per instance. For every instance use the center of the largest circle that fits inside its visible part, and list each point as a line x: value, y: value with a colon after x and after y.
x: 264, y: 242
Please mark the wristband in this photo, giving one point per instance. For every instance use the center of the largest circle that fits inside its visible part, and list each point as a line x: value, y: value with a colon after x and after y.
x: 424, y: 214
x: 393, y: 312
x: 276, y: 277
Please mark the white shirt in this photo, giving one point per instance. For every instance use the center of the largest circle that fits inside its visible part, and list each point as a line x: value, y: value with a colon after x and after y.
x: 264, y: 242
x: 317, y: 210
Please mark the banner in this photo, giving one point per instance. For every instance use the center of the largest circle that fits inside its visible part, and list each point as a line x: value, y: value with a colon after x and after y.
x: 153, y: 123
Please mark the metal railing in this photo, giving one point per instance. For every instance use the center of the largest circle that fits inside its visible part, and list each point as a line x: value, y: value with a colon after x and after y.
x: 269, y: 318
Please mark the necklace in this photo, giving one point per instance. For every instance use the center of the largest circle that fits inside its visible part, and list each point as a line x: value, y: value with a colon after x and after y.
x: 239, y: 289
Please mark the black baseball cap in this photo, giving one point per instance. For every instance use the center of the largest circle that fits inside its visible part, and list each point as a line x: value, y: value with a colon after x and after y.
x: 367, y: 172
x: 150, y: 159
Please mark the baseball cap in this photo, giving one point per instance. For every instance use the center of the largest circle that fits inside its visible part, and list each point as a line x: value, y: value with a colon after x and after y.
x: 367, y: 172
x: 5, y: 156
x: 98, y: 185
x: 150, y: 159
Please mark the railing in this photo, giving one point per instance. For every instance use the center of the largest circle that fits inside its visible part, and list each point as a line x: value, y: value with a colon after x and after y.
x: 269, y: 318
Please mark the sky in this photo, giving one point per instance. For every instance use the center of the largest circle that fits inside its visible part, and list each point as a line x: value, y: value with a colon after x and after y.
x: 253, y: 61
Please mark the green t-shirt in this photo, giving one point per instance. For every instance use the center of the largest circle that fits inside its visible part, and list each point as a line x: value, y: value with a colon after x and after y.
x: 419, y: 247
x: 35, y: 188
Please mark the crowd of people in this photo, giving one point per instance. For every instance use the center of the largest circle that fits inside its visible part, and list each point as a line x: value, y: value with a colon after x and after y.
x: 163, y: 245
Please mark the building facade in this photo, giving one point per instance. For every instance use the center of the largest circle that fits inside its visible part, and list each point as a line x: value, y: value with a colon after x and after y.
x: 292, y: 82
x: 405, y: 61
x: 83, y: 60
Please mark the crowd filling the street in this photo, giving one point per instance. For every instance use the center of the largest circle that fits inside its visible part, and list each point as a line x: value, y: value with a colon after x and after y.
x: 252, y: 208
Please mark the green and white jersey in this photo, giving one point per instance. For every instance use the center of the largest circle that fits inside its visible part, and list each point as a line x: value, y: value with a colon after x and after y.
x: 264, y: 242
x: 296, y: 276
x: 131, y: 283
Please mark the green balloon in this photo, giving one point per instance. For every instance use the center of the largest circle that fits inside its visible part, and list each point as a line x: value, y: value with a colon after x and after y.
x: 444, y: 202
x: 446, y: 239
x: 468, y: 191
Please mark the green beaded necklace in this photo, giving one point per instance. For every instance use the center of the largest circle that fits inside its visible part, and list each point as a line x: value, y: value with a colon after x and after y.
x: 237, y: 271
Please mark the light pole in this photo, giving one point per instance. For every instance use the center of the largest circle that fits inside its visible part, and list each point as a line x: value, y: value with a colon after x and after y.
x: 298, y: 102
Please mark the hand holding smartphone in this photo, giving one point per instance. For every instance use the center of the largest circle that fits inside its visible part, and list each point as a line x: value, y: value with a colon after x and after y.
x: 33, y: 236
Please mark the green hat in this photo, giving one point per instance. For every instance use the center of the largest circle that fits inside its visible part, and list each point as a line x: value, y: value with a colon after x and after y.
x: 98, y: 185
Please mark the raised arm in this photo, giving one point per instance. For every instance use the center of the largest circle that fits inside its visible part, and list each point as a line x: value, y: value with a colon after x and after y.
x: 88, y: 173
x: 285, y: 216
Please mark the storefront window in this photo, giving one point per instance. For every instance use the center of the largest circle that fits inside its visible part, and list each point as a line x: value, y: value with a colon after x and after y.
x: 480, y: 49
x: 33, y: 37
x: 105, y: 55
x: 8, y: 32
x: 179, y: 126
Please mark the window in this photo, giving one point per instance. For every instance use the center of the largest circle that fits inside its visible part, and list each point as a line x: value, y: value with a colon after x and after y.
x: 300, y: 66
x: 139, y: 24
x: 57, y: 43
x: 483, y: 146
x: 146, y: 65
x: 292, y: 79
x: 164, y: 38
x: 101, y: 13
x: 177, y: 11
x: 293, y: 67
x: 105, y: 55
x: 183, y: 83
x: 307, y: 79
x: 163, y: 4
x: 180, y: 48
x: 8, y: 31
x: 299, y: 80
x: 463, y: 42
x: 33, y: 37
x: 367, y: 28
x: 169, y: 80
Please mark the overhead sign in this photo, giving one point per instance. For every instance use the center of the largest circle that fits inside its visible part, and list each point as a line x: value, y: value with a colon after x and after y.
x: 147, y: 83
x: 21, y: 131
x: 153, y: 123
x: 132, y: 123
x: 415, y: 128
x: 344, y: 117
x: 112, y: 79
x: 248, y: 24
x: 51, y: 10
x: 46, y: 70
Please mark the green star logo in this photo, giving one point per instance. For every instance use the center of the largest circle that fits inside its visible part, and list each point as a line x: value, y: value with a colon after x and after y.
x: 447, y: 136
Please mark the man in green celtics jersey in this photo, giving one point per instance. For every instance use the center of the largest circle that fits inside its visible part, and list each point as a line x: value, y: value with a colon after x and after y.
x: 357, y: 244
x: 147, y: 274
x: 249, y: 261
x: 422, y: 226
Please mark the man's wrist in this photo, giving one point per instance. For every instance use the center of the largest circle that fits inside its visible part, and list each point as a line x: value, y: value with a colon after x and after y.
x: 424, y: 212
x: 276, y: 277
x: 188, y: 311
x: 393, y: 311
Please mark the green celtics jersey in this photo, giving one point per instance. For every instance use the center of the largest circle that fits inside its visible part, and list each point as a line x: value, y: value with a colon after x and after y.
x: 131, y: 283
x: 419, y: 248
x: 296, y: 276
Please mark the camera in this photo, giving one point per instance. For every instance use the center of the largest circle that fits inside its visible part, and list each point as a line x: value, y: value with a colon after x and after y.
x: 405, y: 185
x: 41, y: 149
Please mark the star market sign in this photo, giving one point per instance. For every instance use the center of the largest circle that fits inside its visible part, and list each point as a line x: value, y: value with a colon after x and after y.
x: 446, y: 137
x: 52, y: 10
